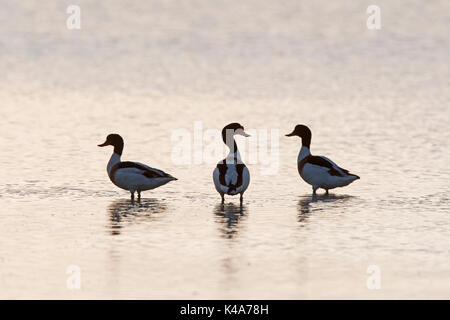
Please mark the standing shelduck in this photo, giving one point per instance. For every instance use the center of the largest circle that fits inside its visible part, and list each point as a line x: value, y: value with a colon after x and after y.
x: 132, y: 176
x: 231, y: 175
x: 319, y: 171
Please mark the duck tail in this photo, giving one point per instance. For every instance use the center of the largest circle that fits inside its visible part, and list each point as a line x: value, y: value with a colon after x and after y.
x: 354, y: 175
x: 172, y: 178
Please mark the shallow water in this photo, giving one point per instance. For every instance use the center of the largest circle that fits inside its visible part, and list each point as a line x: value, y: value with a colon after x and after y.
x: 376, y: 101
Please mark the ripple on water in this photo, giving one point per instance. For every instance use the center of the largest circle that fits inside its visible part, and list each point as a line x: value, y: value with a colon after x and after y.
x: 124, y: 212
x: 32, y: 190
x: 229, y: 215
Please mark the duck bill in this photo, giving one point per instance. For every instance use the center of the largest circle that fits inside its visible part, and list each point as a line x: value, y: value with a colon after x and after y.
x: 290, y: 134
x: 104, y: 144
x: 241, y: 132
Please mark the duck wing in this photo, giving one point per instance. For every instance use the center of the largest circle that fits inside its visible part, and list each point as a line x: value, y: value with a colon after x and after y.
x: 139, y: 168
x: 335, y: 166
x: 154, y: 170
x: 324, y: 162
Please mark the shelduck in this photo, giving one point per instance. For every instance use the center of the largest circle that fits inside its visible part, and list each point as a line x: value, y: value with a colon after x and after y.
x: 319, y: 171
x: 231, y: 176
x: 132, y: 176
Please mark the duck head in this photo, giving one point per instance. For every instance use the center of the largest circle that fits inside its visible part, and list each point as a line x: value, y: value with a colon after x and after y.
x: 303, y: 132
x: 234, y: 129
x: 231, y: 130
x: 114, y: 140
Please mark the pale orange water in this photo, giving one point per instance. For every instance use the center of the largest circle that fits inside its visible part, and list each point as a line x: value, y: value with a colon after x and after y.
x: 376, y: 101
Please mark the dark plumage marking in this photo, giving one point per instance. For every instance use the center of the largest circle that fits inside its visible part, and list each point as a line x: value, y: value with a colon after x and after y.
x: 223, y: 171
x: 146, y: 172
x: 321, y: 162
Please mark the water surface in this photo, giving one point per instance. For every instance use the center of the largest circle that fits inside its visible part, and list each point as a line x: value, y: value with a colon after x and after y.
x: 376, y: 101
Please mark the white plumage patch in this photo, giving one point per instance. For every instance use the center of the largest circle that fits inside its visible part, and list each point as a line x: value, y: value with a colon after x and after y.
x: 135, y: 176
x: 133, y: 179
x: 227, y: 181
x: 321, y: 172
x: 321, y: 177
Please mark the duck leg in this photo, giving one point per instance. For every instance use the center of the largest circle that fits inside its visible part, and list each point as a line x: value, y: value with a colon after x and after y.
x: 315, y: 189
x: 326, y: 191
x: 241, y: 199
x: 223, y: 197
x: 132, y: 196
x: 139, y: 196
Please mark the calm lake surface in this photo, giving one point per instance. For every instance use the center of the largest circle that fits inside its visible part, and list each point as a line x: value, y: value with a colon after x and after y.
x: 377, y: 102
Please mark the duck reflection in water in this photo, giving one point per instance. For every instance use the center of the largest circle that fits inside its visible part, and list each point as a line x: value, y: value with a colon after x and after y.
x: 124, y: 212
x: 321, y: 202
x: 229, y: 216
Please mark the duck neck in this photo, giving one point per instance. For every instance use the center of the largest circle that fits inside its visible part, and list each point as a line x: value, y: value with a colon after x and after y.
x: 306, y: 141
x: 118, y: 148
x: 115, y: 159
x: 229, y: 141
x: 234, y: 155
x: 304, y: 152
